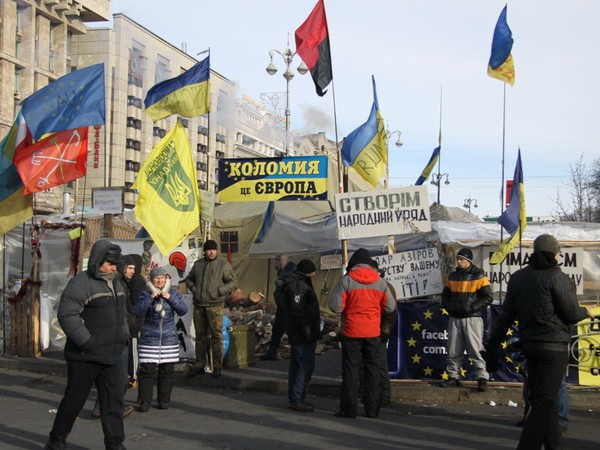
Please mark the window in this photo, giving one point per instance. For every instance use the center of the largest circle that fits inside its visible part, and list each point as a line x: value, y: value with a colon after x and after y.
x: 202, y: 130
x: 134, y: 101
x: 161, y: 70
x: 132, y: 165
x: 220, y: 138
x: 220, y: 155
x: 229, y: 242
x: 202, y: 148
x: 69, y: 50
x: 201, y: 166
x: 201, y: 184
x: 184, y: 122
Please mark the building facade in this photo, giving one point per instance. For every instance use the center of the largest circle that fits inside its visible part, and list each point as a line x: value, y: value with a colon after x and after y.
x: 36, y: 48
x: 48, y: 39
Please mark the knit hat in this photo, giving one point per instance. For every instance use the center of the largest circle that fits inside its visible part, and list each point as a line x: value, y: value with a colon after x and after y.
x: 157, y: 271
x: 113, y: 255
x: 210, y: 245
x: 306, y: 266
x: 465, y: 253
x: 361, y: 256
x: 546, y: 243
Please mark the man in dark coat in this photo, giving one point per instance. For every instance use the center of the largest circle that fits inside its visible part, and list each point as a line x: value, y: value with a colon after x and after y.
x: 92, y: 315
x: 284, y: 271
x: 302, y: 318
x: 544, y: 302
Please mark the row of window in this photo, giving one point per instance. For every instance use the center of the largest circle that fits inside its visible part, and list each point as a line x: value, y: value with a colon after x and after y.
x: 133, y: 144
x: 134, y: 123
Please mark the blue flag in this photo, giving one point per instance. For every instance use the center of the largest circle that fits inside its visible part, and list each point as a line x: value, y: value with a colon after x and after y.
x: 365, y: 149
x: 510, y: 218
x: 429, y: 167
x: 514, y: 218
x: 74, y: 100
x: 187, y: 95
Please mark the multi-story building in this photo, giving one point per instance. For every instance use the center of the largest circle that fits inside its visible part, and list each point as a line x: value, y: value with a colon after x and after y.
x: 49, y: 38
x: 136, y: 60
x: 36, y: 48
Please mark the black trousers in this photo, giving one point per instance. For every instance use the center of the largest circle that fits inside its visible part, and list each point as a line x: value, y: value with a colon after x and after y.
x: 278, y: 330
x: 384, y: 376
x: 355, y: 350
x: 164, y: 383
x: 80, y: 379
x: 546, y: 370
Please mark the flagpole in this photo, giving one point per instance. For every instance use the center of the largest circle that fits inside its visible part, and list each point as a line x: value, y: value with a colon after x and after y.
x: 502, y: 200
x: 206, y: 225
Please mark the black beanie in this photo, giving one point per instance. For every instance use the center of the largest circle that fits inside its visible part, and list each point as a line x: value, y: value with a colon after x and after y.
x: 210, y: 245
x: 465, y: 253
x: 306, y: 266
x: 113, y: 254
x: 360, y: 256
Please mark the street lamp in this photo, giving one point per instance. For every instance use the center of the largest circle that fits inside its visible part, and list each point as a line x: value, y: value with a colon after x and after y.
x: 436, y: 179
x: 469, y: 201
x: 271, y: 69
x: 399, y: 143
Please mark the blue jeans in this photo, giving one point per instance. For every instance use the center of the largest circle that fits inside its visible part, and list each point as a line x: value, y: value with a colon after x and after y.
x: 302, y: 364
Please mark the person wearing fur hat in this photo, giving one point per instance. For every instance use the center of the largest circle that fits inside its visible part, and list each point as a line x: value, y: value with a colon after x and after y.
x: 91, y: 312
x: 302, y: 318
x: 211, y: 280
x: 361, y: 297
x: 466, y: 294
x: 544, y: 302
x: 158, y: 344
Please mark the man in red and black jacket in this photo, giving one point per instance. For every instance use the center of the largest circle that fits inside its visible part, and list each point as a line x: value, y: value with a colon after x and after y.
x: 361, y: 297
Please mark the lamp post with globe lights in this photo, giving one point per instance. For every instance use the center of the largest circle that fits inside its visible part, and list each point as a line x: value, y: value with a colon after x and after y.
x: 399, y: 143
x: 288, y: 57
x: 436, y: 180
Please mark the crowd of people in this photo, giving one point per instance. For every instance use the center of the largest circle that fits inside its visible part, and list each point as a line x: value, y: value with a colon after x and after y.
x: 121, y: 330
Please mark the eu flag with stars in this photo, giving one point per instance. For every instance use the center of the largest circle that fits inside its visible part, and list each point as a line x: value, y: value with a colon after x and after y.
x: 74, y: 100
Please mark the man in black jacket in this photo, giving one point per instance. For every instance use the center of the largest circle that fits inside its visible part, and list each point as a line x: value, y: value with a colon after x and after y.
x: 544, y: 302
x: 466, y: 294
x: 284, y: 271
x: 92, y: 315
x: 303, y: 330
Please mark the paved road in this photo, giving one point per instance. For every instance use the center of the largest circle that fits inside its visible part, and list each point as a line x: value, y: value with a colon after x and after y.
x: 216, y: 418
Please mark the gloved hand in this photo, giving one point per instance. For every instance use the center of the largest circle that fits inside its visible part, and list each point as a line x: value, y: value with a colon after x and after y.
x: 491, y: 359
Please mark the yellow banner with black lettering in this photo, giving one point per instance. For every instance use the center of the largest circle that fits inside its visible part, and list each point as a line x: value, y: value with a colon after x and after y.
x: 272, y: 179
x: 588, y: 349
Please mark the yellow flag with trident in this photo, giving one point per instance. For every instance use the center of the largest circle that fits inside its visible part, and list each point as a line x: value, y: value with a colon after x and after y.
x: 168, y: 205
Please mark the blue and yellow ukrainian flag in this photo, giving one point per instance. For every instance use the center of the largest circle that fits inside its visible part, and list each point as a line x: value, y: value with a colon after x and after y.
x: 514, y: 218
x: 501, y: 65
x: 15, y: 206
x: 429, y: 167
x: 365, y: 149
x: 187, y: 95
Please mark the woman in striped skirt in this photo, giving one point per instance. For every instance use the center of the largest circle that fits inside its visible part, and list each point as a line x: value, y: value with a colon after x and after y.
x: 158, y: 344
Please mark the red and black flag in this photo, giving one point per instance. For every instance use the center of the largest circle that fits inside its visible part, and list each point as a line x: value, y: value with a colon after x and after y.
x: 312, y: 44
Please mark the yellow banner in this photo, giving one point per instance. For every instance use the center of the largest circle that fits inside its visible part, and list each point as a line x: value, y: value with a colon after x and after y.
x: 167, y: 205
x: 271, y: 179
x: 588, y: 350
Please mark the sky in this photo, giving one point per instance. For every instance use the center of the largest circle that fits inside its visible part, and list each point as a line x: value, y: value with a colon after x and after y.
x: 429, y: 59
